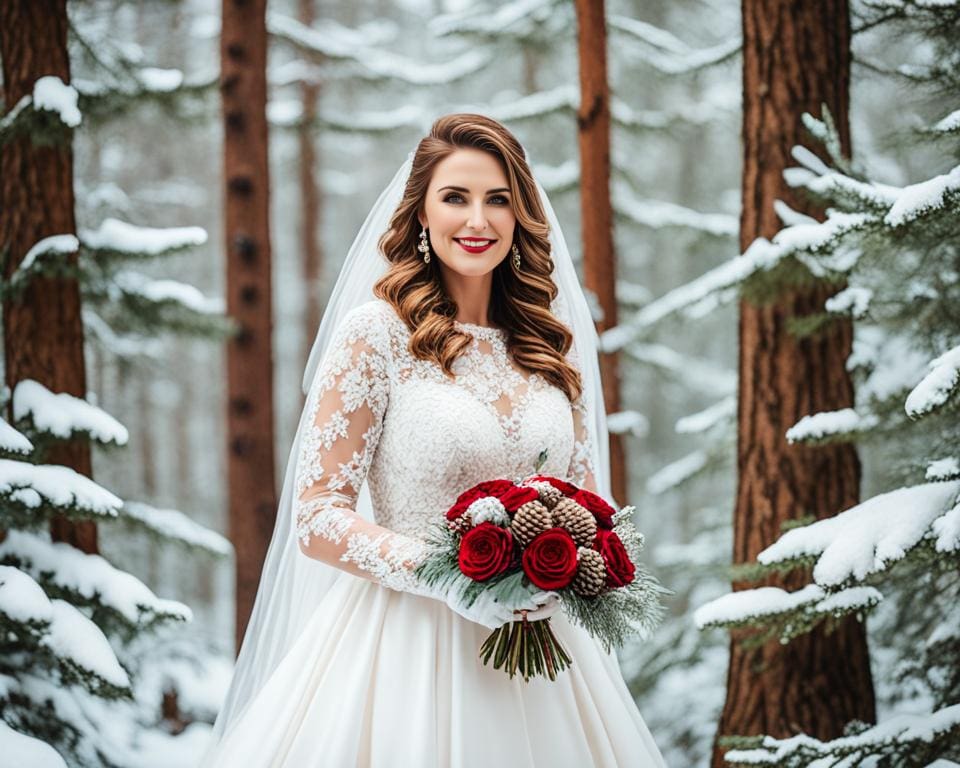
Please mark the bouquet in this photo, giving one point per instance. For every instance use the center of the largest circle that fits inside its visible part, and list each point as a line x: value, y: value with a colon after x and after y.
x: 543, y: 533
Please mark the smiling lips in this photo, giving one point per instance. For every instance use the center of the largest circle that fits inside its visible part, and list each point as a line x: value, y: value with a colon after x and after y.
x: 474, y: 245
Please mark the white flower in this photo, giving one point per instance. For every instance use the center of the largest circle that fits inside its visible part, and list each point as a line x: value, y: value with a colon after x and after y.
x: 488, y: 510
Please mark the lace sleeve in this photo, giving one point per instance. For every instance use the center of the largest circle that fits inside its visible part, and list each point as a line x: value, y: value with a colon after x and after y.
x: 581, y: 470
x: 346, y: 405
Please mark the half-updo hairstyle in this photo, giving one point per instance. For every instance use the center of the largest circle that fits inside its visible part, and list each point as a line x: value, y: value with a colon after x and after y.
x: 520, y: 302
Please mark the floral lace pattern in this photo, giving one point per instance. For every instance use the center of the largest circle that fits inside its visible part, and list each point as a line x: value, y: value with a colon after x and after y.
x: 419, y: 438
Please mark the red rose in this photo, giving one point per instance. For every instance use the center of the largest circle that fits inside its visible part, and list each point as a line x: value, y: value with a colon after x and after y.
x: 516, y: 497
x: 596, y: 506
x: 487, y: 488
x: 550, y: 560
x: 620, y: 569
x: 567, y: 489
x: 485, y: 551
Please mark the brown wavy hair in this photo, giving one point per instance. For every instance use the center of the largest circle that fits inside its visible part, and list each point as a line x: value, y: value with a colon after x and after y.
x: 537, y: 340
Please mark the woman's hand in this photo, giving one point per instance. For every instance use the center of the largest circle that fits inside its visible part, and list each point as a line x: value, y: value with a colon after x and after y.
x: 542, y: 606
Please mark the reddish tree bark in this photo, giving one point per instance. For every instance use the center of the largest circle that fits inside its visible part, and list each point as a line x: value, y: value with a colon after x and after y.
x: 310, y: 201
x: 250, y: 461
x: 42, y: 328
x: 796, y: 56
x: 599, y: 259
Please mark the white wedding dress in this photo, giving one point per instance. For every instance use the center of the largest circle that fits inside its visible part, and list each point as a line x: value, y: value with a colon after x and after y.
x: 392, y: 679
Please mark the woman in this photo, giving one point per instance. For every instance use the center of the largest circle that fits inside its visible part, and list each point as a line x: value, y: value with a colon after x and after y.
x: 455, y: 360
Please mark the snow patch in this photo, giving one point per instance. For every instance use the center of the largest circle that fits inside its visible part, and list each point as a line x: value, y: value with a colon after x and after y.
x: 62, y: 414
x: 52, y: 94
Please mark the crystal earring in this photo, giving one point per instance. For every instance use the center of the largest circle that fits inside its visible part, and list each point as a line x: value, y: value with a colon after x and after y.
x: 424, y: 246
x: 516, y: 255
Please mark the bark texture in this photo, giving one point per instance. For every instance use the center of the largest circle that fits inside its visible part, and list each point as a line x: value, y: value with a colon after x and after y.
x: 796, y: 57
x: 42, y: 328
x: 250, y: 459
x: 599, y: 258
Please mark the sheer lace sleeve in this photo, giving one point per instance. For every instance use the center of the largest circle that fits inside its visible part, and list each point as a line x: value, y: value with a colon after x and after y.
x: 581, y: 470
x: 346, y: 403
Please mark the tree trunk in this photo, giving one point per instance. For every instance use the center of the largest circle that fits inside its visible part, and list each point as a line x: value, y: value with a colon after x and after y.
x: 250, y: 462
x: 796, y: 57
x: 310, y: 202
x: 42, y: 329
x: 599, y: 261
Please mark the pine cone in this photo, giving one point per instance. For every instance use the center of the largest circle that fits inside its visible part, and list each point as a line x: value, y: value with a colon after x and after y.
x: 461, y: 524
x: 591, y: 576
x: 530, y: 520
x: 577, y: 521
x: 549, y: 495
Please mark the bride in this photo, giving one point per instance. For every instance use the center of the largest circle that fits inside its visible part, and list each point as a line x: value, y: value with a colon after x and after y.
x: 462, y: 356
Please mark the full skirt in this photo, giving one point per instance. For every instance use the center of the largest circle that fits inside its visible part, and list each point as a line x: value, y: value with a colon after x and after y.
x: 387, y: 679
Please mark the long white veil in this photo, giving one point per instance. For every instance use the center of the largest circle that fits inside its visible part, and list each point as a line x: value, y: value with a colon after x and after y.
x: 292, y: 585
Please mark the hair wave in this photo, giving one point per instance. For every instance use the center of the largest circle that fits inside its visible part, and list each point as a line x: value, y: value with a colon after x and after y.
x: 537, y: 340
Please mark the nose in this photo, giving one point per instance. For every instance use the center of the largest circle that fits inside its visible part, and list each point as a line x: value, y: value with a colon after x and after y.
x: 477, y: 221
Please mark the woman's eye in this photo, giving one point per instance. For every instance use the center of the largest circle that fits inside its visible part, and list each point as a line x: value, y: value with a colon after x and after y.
x: 450, y: 198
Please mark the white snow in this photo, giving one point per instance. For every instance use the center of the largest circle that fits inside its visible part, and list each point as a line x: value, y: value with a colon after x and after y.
x: 719, y: 412
x: 173, y: 524
x: 868, y: 537
x: 950, y: 123
x: 116, y: 235
x: 695, y: 372
x: 21, y: 598
x: 937, y: 386
x: 18, y: 749
x: 763, y: 602
x: 57, y: 486
x: 943, y: 469
x: 123, y: 346
x: 902, y: 729
x: 657, y: 214
x: 622, y: 422
x: 52, y: 94
x: 853, y: 301
x: 947, y: 530
x: 89, y: 575
x: 63, y: 415
x: 495, y: 21
x: 676, y: 472
x: 73, y: 636
x: 554, y: 178
x: 169, y: 290
x: 826, y: 424
x: 59, y: 244
x: 160, y: 80
x: 917, y: 199
x: 12, y: 441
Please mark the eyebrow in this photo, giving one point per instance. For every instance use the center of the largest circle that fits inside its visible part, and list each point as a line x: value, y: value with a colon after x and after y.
x: 464, y: 189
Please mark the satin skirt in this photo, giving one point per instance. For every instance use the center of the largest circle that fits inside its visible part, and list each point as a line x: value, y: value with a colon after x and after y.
x: 387, y: 679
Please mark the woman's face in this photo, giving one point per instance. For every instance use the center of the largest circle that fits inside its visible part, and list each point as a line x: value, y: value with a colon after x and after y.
x: 468, y: 212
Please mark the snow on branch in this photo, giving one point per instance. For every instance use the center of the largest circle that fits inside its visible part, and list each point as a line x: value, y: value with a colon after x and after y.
x: 53, y: 488
x: 376, y: 63
x: 768, y: 605
x: 169, y: 291
x: 632, y: 422
x: 88, y: 579
x: 173, y: 525
x: 21, y: 749
x: 124, y: 346
x: 51, y: 94
x: 669, y: 54
x: 943, y: 469
x: 902, y: 740
x: 949, y: 124
x: 869, y: 537
x: 697, y: 373
x: 657, y: 214
x: 118, y: 237
x: 921, y: 199
x: 42, y: 257
x: 720, y: 412
x: 65, y: 417
x: 831, y: 426
x: 938, y: 387
x: 516, y: 19
x: 288, y: 113
x: 12, y: 442
x: 677, y: 472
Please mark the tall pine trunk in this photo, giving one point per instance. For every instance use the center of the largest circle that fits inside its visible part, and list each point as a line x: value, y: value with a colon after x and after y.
x: 42, y: 328
x: 599, y: 260
x: 250, y: 462
x: 796, y: 56
x: 310, y: 200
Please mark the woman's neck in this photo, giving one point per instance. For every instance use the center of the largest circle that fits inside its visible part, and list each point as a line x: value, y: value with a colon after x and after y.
x: 472, y: 296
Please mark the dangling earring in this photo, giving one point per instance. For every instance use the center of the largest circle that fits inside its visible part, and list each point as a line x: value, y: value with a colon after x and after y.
x: 516, y: 255
x: 424, y: 246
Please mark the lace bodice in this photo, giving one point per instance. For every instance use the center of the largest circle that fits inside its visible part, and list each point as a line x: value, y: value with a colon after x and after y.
x: 419, y: 438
